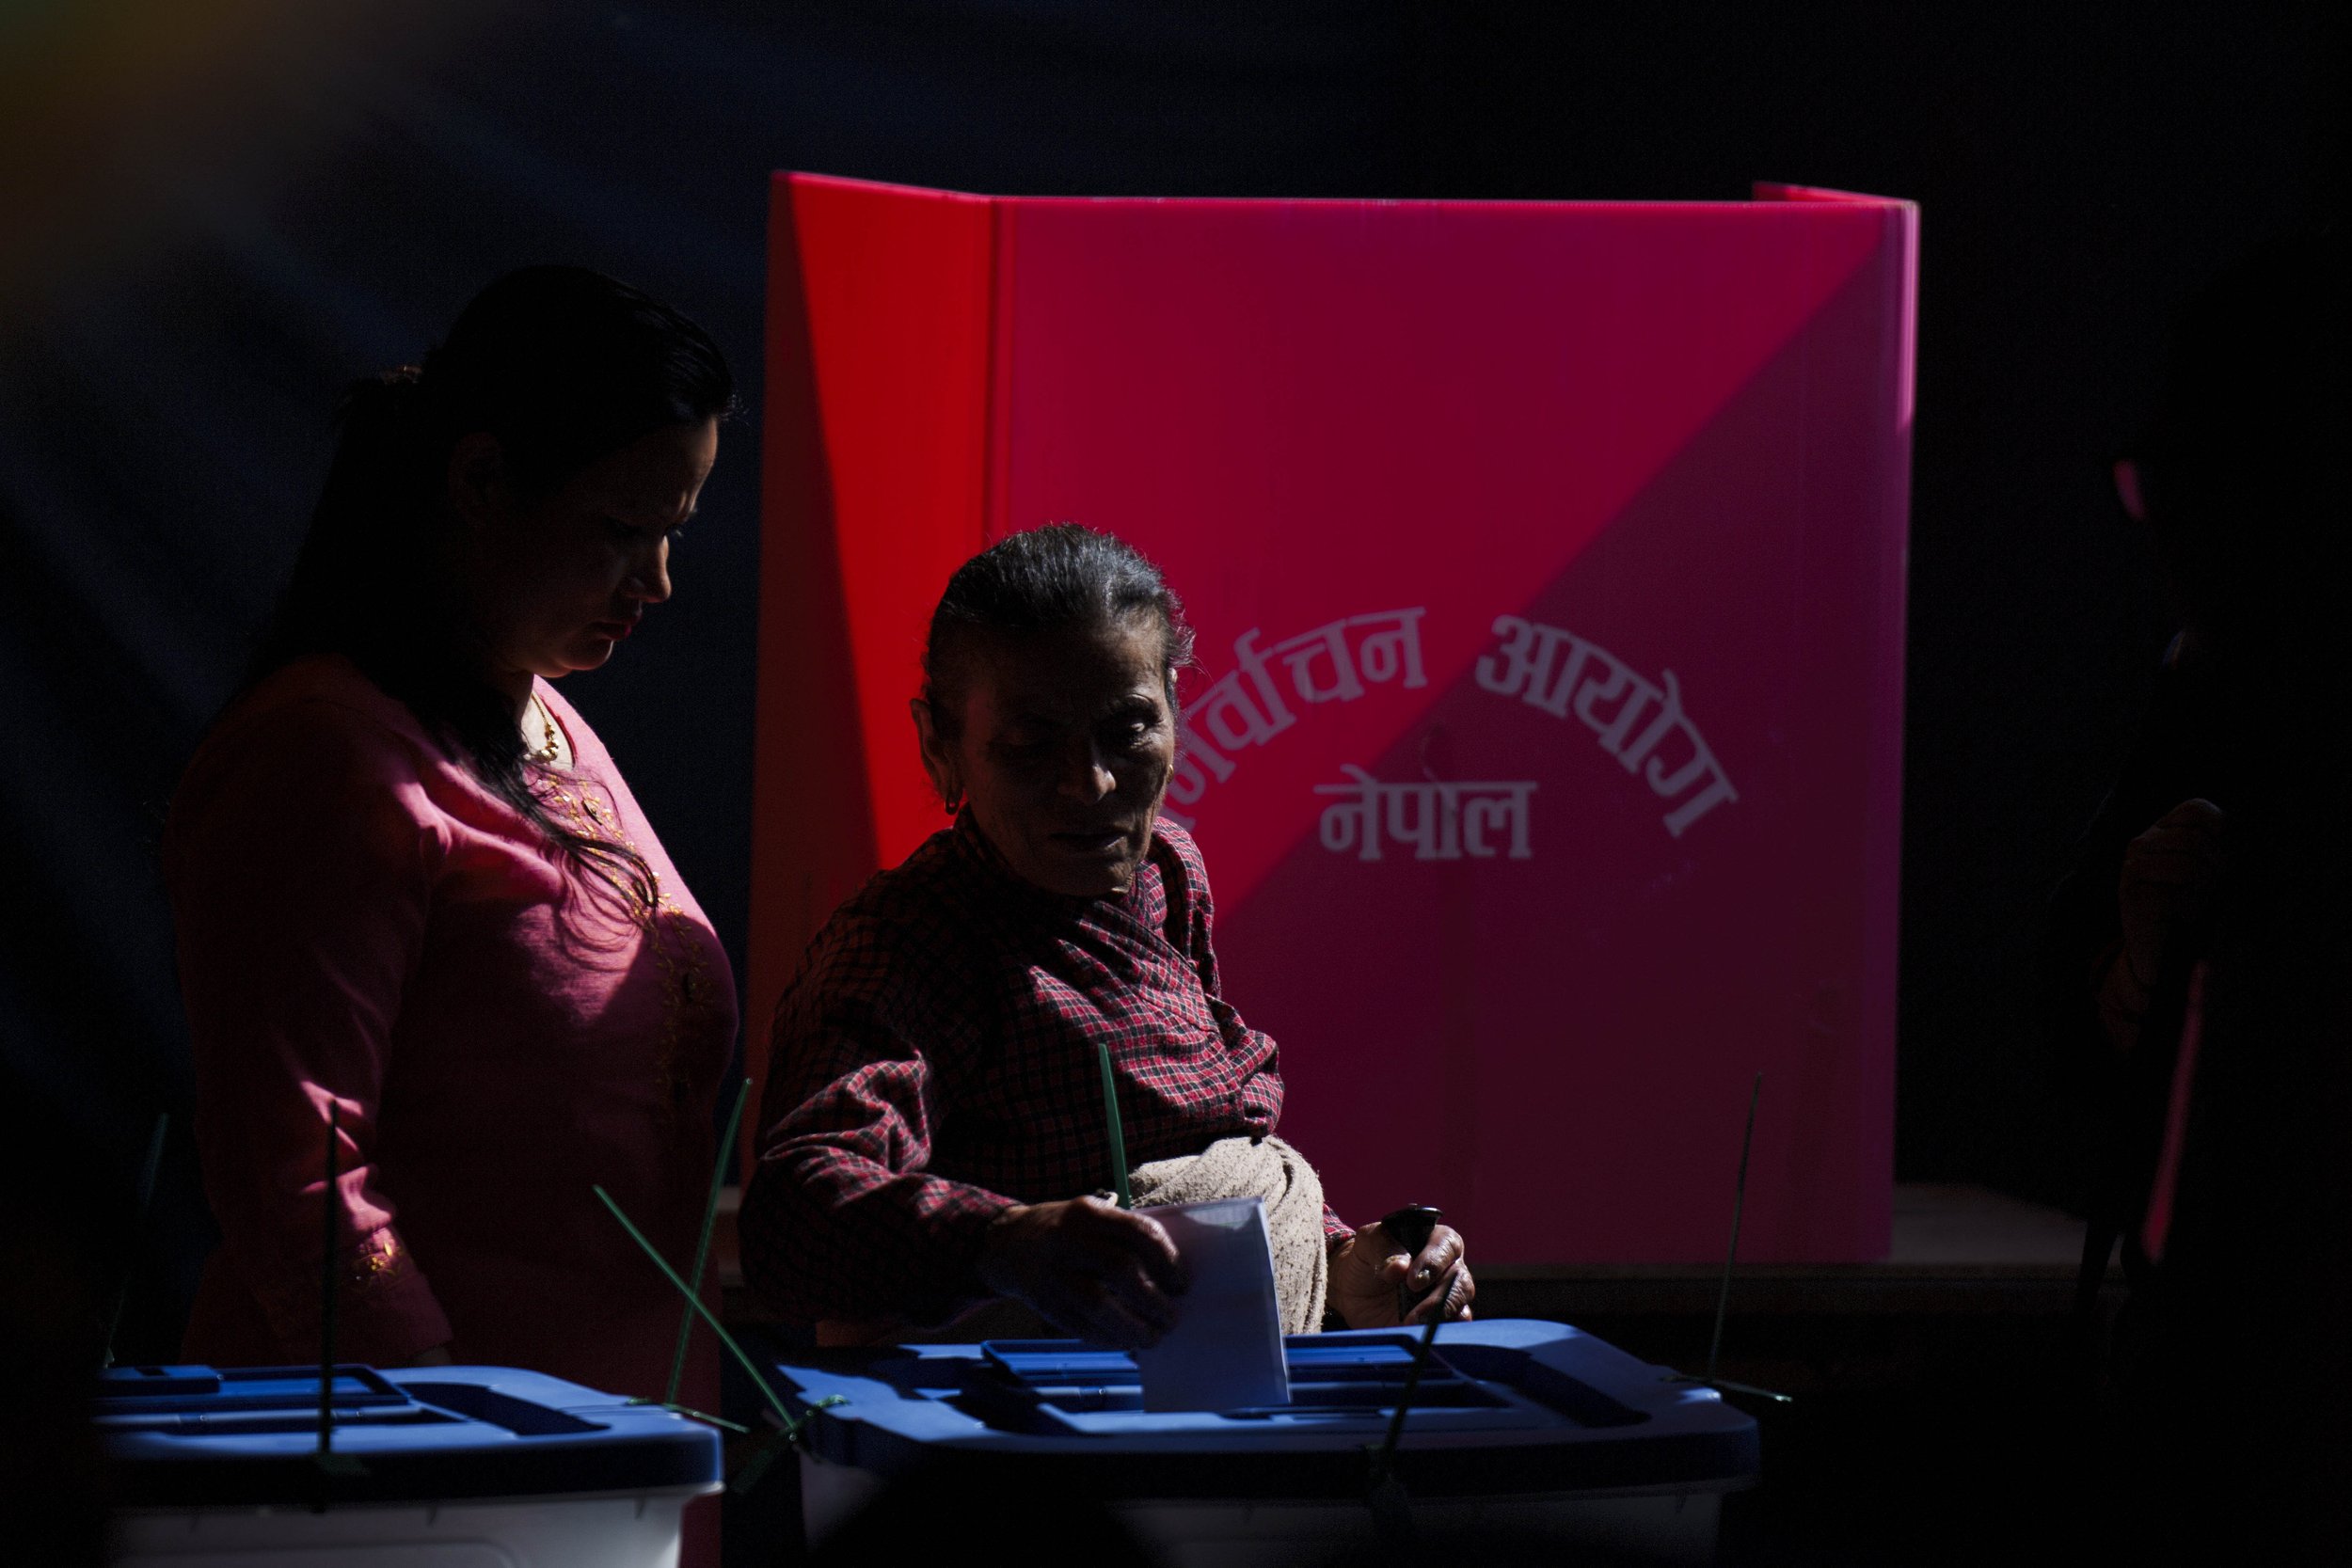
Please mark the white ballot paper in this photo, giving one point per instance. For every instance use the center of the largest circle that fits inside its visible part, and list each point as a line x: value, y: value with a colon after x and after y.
x: 1225, y: 1350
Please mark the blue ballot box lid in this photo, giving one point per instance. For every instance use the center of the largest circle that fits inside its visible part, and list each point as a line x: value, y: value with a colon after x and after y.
x: 247, y: 1436
x: 1506, y: 1406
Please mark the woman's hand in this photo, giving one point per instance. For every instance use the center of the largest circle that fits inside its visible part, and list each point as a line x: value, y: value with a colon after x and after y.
x: 1367, y: 1268
x: 1088, y: 1268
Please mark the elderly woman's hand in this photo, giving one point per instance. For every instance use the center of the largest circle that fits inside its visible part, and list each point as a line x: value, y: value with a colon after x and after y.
x: 1367, y: 1268
x: 1088, y: 1268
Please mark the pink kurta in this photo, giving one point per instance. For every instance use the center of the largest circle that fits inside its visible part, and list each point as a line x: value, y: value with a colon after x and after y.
x: 358, y: 919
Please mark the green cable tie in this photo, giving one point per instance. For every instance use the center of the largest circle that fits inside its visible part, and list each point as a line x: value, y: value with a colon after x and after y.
x: 747, y: 1476
x: 703, y: 1416
x: 791, y: 1424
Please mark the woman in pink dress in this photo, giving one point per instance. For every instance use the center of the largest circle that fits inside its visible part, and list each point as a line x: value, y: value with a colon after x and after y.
x: 410, y: 885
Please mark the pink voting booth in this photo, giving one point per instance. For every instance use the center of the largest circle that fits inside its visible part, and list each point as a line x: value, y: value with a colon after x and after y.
x: 1547, y: 563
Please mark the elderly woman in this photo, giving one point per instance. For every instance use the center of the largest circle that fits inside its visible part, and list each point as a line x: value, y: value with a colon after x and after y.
x: 415, y: 897
x: 935, y: 1140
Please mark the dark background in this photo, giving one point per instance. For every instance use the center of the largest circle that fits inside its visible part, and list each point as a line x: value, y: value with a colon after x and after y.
x: 216, y: 211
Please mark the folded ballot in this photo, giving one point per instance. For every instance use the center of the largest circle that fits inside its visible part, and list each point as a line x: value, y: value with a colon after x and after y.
x: 1225, y: 1350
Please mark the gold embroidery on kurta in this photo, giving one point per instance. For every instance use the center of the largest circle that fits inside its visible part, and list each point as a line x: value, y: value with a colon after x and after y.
x: 378, y: 1261
x: 686, y: 988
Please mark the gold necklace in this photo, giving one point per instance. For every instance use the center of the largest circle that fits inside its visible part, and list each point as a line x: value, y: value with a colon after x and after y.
x: 551, y: 741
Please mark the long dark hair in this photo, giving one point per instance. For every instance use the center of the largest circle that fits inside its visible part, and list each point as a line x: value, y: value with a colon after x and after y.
x: 562, y: 366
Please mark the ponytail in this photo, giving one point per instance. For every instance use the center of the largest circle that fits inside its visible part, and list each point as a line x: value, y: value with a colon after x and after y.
x: 365, y: 544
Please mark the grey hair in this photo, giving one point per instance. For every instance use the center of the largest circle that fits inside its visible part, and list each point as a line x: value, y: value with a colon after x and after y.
x: 1057, y: 577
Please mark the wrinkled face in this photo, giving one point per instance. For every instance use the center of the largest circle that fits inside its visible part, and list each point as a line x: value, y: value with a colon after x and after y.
x: 1064, y: 752
x: 555, y: 581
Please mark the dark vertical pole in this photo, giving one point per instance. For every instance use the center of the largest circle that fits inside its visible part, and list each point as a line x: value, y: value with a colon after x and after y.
x: 332, y: 1204
x: 1739, y: 1202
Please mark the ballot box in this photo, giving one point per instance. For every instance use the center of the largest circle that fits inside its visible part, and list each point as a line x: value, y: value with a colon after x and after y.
x: 1520, y: 1430
x: 429, y: 1468
x: 1547, y: 565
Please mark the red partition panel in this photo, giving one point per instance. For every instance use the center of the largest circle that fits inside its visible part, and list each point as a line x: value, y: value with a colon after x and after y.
x: 1547, y: 563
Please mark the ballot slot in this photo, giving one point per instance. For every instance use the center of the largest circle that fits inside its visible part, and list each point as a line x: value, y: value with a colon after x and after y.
x: 1039, y: 1362
x: 274, y: 1423
x: 1044, y: 1388
x: 166, y: 1398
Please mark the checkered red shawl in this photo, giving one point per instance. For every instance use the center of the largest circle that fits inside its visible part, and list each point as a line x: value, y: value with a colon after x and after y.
x: 934, y: 1062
